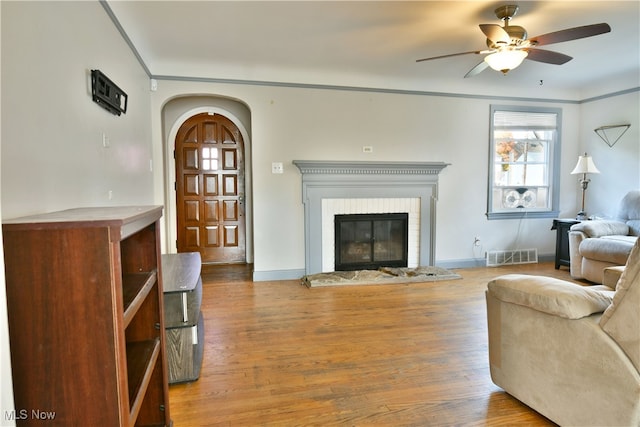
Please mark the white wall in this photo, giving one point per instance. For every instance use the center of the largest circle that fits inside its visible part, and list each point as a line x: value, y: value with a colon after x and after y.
x: 619, y: 165
x: 51, y: 137
x: 53, y: 156
x: 289, y: 123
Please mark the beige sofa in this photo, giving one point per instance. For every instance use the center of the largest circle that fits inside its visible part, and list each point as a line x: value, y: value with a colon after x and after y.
x: 568, y: 351
x: 598, y: 244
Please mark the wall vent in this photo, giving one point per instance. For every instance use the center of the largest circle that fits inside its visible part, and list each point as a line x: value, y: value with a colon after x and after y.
x: 518, y: 256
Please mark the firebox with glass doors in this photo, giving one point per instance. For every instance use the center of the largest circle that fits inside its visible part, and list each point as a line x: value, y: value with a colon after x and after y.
x: 370, y: 241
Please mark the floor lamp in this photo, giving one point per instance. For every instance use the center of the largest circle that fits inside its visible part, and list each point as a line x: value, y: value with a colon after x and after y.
x: 585, y: 165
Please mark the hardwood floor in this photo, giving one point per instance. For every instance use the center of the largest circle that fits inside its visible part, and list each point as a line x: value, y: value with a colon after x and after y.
x: 278, y: 353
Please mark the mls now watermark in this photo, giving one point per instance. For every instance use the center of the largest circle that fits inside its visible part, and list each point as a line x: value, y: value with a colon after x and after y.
x: 26, y: 414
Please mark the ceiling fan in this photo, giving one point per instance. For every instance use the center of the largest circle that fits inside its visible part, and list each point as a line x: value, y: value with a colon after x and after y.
x: 509, y: 45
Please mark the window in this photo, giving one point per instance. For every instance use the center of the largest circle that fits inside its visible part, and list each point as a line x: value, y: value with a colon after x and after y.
x: 209, y: 159
x: 524, y: 162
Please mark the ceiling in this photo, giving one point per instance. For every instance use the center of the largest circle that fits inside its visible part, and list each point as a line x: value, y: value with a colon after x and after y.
x: 376, y: 43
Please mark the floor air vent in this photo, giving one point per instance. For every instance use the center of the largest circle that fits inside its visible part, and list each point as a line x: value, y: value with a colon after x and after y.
x: 518, y: 256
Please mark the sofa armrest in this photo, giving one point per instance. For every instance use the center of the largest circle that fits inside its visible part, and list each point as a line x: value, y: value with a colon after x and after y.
x: 601, y: 227
x: 575, y: 259
x: 550, y: 295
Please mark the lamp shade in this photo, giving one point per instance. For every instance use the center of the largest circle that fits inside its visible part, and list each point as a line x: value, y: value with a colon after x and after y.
x: 585, y: 165
x: 505, y: 60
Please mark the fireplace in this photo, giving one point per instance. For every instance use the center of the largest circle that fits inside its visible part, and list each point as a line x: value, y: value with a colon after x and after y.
x: 370, y: 241
x: 353, y: 185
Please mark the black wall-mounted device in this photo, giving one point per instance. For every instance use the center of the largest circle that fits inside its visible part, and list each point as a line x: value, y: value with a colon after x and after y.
x: 106, y: 94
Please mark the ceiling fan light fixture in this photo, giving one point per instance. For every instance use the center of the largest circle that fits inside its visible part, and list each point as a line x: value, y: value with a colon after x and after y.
x: 506, y: 60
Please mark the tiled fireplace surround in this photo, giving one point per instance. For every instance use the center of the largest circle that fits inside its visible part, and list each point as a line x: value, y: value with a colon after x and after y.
x: 338, y: 187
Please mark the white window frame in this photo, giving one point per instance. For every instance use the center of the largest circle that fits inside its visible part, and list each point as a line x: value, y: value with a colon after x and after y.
x: 551, y: 210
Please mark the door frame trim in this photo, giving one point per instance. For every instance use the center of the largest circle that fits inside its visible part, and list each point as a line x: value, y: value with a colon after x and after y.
x: 170, y: 178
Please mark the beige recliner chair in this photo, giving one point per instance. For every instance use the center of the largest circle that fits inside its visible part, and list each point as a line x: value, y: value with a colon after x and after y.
x: 570, y: 352
x: 598, y: 244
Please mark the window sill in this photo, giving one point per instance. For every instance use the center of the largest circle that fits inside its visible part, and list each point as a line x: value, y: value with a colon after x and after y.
x: 522, y: 214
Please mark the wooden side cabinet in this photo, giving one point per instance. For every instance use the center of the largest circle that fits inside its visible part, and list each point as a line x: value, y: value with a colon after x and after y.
x: 562, y: 227
x: 183, y: 318
x: 85, y: 303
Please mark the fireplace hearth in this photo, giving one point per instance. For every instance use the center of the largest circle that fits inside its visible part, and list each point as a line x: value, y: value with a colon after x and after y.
x: 371, y: 241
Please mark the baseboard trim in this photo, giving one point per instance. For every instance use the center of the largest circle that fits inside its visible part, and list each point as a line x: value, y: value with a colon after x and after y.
x: 481, y: 262
x: 265, y: 276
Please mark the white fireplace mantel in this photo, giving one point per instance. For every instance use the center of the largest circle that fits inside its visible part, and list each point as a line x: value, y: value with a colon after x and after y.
x: 352, y: 180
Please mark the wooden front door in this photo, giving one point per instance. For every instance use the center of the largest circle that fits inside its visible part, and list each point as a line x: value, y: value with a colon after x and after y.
x: 209, y: 154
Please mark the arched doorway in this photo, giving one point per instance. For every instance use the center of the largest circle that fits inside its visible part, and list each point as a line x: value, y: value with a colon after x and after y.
x: 210, y: 189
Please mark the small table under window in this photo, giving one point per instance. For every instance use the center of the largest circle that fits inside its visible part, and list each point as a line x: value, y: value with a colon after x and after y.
x: 562, y: 227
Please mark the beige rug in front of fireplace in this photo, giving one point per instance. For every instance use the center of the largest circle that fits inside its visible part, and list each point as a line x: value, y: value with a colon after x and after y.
x: 382, y: 276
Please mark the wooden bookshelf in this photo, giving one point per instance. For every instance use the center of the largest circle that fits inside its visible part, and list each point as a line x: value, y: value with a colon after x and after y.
x: 85, y: 304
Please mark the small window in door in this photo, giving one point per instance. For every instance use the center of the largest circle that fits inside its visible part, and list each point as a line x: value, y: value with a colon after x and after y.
x: 209, y: 158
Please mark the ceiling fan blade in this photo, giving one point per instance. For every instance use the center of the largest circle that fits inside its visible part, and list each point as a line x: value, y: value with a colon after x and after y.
x: 448, y: 56
x: 477, y: 69
x: 495, y: 33
x: 571, y: 34
x: 547, y: 56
